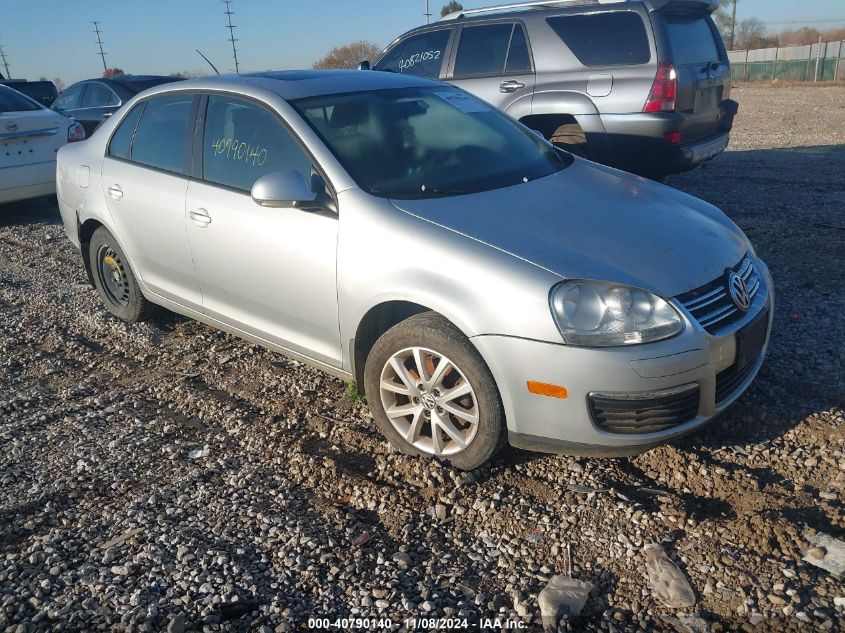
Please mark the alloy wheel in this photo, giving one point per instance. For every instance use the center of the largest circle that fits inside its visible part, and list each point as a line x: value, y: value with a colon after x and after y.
x: 429, y: 401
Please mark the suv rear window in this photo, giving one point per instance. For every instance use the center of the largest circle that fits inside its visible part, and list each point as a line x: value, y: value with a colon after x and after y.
x: 616, y: 38
x: 693, y: 40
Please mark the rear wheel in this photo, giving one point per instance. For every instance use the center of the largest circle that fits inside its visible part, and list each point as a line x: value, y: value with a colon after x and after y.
x: 114, y: 280
x: 432, y: 394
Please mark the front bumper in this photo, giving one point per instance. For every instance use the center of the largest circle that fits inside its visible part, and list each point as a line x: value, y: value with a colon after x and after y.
x: 549, y: 424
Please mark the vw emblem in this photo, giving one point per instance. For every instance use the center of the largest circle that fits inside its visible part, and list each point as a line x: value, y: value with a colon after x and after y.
x: 11, y: 126
x: 428, y: 401
x: 739, y: 292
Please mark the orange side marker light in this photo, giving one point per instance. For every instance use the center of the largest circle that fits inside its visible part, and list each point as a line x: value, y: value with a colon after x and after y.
x: 543, y: 389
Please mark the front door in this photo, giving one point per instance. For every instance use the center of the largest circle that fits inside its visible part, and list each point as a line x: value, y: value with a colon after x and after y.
x: 493, y: 62
x: 145, y: 182
x: 267, y: 271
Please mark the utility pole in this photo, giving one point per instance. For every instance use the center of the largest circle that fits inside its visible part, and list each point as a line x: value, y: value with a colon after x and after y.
x: 5, y: 63
x: 232, y: 28
x: 427, y: 13
x: 100, y: 44
x: 733, y: 24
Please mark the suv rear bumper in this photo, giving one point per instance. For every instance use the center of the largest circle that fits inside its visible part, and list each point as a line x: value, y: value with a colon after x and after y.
x: 638, y: 142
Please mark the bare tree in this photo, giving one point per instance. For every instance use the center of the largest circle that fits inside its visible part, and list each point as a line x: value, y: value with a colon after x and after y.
x: 348, y: 55
x: 450, y: 7
x: 60, y: 85
x: 751, y: 34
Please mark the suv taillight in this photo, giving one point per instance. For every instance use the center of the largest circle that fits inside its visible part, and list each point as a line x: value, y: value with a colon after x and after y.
x: 75, y: 133
x: 664, y: 90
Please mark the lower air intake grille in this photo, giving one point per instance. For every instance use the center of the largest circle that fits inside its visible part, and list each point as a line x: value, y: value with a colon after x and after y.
x: 730, y: 379
x: 627, y: 414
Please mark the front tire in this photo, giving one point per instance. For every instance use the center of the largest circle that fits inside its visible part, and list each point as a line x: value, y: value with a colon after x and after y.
x: 115, y: 282
x: 432, y: 394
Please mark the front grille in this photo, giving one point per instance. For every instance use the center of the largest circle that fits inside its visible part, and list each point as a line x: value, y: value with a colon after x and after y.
x: 711, y: 304
x: 644, y: 412
x: 729, y: 380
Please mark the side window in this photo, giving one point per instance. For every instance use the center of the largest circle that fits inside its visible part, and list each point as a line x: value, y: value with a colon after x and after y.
x: 616, y: 38
x: 122, y: 137
x: 483, y: 50
x: 162, y: 136
x: 519, y: 60
x: 243, y: 141
x: 420, y: 55
x: 70, y: 99
x: 99, y: 96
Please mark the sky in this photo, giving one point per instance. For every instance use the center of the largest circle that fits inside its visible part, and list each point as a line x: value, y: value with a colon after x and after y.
x: 54, y: 38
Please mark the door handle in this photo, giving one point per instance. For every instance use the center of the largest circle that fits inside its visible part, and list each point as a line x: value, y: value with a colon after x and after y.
x: 200, y: 217
x: 115, y: 192
x: 510, y: 86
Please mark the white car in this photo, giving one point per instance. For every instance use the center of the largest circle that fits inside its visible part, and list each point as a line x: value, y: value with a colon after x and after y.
x: 30, y: 137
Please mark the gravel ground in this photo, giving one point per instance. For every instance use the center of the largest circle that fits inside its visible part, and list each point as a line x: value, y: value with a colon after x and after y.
x: 109, y: 520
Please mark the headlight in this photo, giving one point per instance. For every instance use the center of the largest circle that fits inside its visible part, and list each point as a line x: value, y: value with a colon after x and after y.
x: 599, y: 314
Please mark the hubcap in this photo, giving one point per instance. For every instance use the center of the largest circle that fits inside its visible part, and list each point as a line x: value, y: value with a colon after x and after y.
x: 112, y: 275
x: 429, y: 401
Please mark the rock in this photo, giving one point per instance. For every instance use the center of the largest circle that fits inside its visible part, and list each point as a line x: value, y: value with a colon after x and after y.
x: 687, y: 623
x: 668, y: 583
x: 177, y: 624
x: 826, y: 552
x: 563, y: 595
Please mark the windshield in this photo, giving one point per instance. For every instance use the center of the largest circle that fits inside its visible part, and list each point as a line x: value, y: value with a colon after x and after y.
x: 13, y: 101
x: 422, y: 142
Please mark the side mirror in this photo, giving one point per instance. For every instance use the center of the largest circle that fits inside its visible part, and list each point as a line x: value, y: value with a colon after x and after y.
x: 364, y: 65
x: 283, y: 189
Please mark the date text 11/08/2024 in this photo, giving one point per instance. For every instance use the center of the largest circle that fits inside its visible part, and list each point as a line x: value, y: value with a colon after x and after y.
x: 425, y: 624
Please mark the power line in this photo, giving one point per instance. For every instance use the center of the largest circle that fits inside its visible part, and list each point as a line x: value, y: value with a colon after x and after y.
x: 100, y: 44
x: 5, y: 62
x: 229, y: 13
x: 806, y: 22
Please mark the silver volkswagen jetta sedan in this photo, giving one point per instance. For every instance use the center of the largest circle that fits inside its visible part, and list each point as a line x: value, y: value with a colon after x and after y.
x: 481, y: 284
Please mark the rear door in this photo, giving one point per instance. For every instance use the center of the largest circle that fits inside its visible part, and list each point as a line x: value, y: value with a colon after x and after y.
x: 145, y: 180
x: 704, y: 74
x: 493, y: 61
x: 29, y: 134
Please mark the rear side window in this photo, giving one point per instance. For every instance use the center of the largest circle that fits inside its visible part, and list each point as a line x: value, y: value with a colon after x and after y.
x: 99, y: 96
x: 70, y: 99
x: 693, y: 41
x: 122, y: 138
x: 483, y: 49
x: 161, y: 139
x: 420, y: 55
x: 616, y: 38
x: 244, y: 142
x: 519, y: 60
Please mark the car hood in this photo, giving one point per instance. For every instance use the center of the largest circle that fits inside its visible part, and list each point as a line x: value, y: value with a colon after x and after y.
x: 593, y: 222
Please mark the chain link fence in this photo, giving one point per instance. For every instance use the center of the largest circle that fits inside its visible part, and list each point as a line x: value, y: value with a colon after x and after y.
x: 824, y: 61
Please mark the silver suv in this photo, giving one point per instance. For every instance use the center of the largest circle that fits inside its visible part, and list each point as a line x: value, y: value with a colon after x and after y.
x: 641, y: 85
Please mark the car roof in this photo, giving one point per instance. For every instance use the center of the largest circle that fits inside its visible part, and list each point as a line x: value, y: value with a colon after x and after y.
x: 298, y: 84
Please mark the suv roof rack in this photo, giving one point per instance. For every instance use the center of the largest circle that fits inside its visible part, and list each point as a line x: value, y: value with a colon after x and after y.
x: 536, y: 4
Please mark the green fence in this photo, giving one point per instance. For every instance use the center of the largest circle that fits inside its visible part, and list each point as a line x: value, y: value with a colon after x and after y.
x: 794, y: 70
